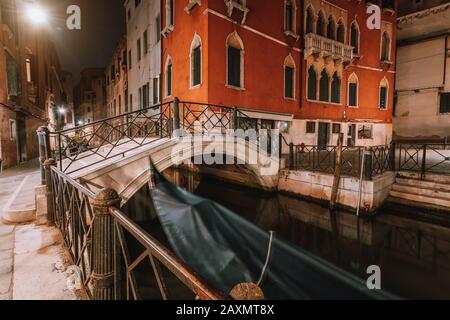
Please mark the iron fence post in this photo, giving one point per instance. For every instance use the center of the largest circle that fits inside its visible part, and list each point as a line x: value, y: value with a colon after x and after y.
x: 48, y: 164
x: 424, y: 161
x: 392, y: 156
x: 42, y: 152
x: 291, y: 156
x: 104, y: 251
x: 176, y: 114
x: 368, y: 164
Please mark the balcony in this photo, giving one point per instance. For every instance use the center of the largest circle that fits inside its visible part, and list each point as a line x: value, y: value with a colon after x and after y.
x: 328, y: 49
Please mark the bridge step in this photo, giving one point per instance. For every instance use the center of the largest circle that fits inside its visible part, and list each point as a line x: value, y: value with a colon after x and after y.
x: 424, y: 184
x: 417, y: 197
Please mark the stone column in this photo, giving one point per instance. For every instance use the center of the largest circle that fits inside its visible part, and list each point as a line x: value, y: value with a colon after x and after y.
x: 48, y: 164
x: 43, y: 137
x: 103, y: 248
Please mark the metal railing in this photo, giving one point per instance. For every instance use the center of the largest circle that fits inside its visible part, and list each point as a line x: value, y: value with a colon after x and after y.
x: 423, y: 158
x: 112, y: 137
x: 377, y: 159
x: 98, y: 235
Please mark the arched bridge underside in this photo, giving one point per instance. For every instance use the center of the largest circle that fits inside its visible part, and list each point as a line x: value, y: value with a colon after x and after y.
x: 128, y: 171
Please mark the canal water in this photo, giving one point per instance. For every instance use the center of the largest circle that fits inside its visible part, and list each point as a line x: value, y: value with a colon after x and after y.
x: 414, y: 255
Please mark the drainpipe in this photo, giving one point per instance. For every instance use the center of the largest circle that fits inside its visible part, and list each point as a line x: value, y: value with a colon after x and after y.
x: 302, y: 55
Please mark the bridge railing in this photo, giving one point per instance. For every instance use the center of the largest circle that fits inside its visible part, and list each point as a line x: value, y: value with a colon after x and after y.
x: 114, y: 257
x: 92, y: 143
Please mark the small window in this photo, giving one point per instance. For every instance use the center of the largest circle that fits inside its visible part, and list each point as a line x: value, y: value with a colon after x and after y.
x: 146, y: 47
x: 312, y: 84
x: 309, y: 21
x: 155, y: 90
x: 331, y: 31
x: 353, y: 94
x: 290, y: 16
x: 288, y: 82
x: 12, y: 129
x: 320, y: 28
x: 139, y: 48
x: 324, y: 86
x: 445, y: 103
x: 196, y: 59
x: 336, y: 128
x: 385, y: 47
x: 129, y: 60
x: 365, y: 132
x: 169, y: 79
x: 336, y: 89
x: 354, y: 38
x: 310, y: 127
x: 234, y: 67
x: 383, y: 97
x: 158, y: 28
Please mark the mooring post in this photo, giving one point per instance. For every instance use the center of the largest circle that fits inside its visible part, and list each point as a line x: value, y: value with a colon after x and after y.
x: 104, y: 251
x: 369, y: 164
x: 48, y: 164
x: 291, y: 156
x: 337, y: 173
x: 176, y: 114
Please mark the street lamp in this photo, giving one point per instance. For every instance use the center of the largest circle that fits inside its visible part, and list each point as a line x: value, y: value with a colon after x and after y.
x: 36, y: 13
x: 61, y: 110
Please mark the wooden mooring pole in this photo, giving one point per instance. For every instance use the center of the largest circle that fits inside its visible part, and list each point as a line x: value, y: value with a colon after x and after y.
x: 337, y: 173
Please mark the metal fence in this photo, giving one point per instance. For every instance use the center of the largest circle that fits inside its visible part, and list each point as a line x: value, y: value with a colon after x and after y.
x: 377, y: 160
x: 98, y: 235
x: 423, y: 158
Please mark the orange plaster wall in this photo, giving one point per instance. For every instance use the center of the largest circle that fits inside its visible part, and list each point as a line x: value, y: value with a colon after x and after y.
x: 264, y: 58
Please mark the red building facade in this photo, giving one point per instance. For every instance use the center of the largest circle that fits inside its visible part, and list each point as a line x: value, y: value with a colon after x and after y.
x: 313, y: 66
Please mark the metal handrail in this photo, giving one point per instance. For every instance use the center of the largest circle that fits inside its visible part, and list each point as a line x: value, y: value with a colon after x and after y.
x: 67, y: 217
x: 181, y: 270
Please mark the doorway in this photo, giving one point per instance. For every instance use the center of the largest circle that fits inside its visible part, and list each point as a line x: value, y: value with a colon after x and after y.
x: 324, y: 135
x: 351, y: 136
x: 21, y: 140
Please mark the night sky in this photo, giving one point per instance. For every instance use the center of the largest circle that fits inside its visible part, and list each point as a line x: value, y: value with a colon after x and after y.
x: 102, y: 23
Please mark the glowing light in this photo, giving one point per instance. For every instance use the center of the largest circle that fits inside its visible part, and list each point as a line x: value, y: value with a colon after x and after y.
x: 61, y: 110
x: 80, y: 122
x: 36, y: 14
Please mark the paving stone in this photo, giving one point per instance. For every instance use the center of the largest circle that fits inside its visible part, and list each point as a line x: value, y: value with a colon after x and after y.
x: 6, y: 255
x: 5, y: 230
x: 7, y: 242
x: 6, y: 266
x: 5, y: 282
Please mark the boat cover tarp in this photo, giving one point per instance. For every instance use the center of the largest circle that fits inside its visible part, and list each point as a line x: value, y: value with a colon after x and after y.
x: 226, y: 250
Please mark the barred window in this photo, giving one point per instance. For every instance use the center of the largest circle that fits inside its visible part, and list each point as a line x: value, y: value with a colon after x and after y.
x: 445, y: 103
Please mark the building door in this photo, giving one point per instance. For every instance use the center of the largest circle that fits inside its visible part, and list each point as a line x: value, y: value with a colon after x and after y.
x: 21, y: 140
x: 268, y: 125
x: 351, y: 135
x: 324, y: 135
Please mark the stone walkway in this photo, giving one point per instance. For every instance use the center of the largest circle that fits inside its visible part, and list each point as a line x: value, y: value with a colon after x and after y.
x: 33, y: 261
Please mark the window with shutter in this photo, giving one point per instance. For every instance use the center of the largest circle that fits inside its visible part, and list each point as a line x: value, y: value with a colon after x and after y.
x: 234, y: 67
x: 288, y: 82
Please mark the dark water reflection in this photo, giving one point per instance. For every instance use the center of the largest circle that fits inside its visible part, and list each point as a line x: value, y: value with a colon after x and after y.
x: 414, y: 256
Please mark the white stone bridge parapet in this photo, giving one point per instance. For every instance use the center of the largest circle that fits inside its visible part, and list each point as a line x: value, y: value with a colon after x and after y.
x: 128, y: 173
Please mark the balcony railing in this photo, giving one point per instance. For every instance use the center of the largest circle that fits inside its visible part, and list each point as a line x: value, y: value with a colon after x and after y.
x: 328, y: 48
